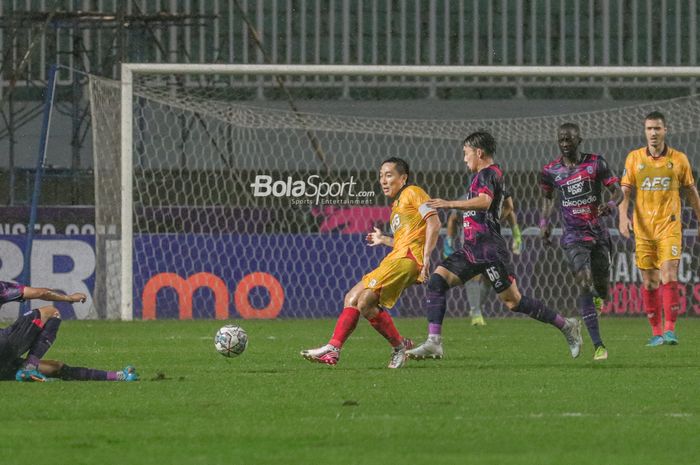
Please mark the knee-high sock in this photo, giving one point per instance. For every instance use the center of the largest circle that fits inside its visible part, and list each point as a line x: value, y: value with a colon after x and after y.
x: 539, y: 311
x: 650, y: 301
x: 88, y: 374
x: 436, y: 303
x: 670, y: 295
x: 346, y: 324
x: 385, y: 326
x: 42, y: 344
x: 474, y: 296
x: 589, y: 316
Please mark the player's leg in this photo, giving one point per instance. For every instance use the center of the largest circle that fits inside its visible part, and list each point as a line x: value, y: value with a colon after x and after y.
x: 580, y: 257
x: 58, y: 369
x: 670, y: 298
x: 510, y: 295
x: 453, y: 271
x: 22, y: 335
x: 474, y: 296
x: 344, y: 326
x: 647, y: 262
x: 600, y: 270
x: 51, y: 321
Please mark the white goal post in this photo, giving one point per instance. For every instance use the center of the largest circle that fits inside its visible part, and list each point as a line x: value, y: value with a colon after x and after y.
x: 131, y: 71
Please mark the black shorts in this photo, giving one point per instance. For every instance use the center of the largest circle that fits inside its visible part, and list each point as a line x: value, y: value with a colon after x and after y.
x: 498, y: 272
x: 15, y: 340
x: 594, y: 256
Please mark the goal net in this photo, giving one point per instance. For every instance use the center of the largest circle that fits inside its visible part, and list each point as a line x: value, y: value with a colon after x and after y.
x: 242, y: 211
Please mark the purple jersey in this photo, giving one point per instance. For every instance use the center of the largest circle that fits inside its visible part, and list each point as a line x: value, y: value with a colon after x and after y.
x: 483, y: 242
x: 580, y: 188
x: 10, y: 292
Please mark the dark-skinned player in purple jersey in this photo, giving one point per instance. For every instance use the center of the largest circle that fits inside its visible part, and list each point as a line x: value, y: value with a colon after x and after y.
x: 579, y: 178
x: 484, y: 252
x: 34, y: 332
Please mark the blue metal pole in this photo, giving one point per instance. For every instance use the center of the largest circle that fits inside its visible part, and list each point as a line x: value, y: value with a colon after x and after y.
x: 41, y: 160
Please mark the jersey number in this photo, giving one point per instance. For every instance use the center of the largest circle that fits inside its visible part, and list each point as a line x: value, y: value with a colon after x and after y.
x: 493, y: 274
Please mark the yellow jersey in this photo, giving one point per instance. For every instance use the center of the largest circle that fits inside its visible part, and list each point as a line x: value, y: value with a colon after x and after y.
x: 657, y: 181
x: 408, y: 215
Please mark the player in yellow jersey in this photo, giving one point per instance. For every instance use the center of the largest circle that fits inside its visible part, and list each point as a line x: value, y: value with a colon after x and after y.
x: 415, y: 227
x: 658, y: 173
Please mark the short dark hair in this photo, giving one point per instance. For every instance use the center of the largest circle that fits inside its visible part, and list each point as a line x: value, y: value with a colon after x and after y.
x: 655, y: 115
x: 570, y: 126
x: 401, y: 166
x: 481, y: 140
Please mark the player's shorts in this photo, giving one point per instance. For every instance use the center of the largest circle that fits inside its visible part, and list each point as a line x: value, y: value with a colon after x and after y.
x: 390, y: 279
x: 594, y: 256
x: 10, y: 292
x: 17, y: 339
x: 498, y: 272
x: 651, y: 253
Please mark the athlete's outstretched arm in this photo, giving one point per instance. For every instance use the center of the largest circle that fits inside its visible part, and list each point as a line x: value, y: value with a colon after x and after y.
x: 691, y: 195
x: 52, y: 295
x: 624, y: 223
x: 480, y: 202
x: 508, y: 214
x: 431, y: 236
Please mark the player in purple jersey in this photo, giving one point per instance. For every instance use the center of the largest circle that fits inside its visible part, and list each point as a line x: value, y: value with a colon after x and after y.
x: 484, y: 252
x: 579, y: 178
x: 34, y: 332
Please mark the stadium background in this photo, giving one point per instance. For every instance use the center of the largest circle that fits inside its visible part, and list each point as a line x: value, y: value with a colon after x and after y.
x: 93, y: 37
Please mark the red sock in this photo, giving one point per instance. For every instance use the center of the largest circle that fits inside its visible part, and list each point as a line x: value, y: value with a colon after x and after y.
x: 347, y: 321
x: 650, y: 302
x: 385, y: 326
x: 672, y: 304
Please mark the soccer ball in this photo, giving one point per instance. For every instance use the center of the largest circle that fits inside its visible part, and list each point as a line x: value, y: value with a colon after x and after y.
x: 231, y: 341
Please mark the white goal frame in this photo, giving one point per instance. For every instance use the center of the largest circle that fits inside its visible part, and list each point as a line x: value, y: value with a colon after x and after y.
x: 129, y: 70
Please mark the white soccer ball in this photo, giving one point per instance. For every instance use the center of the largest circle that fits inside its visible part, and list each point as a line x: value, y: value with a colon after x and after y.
x: 231, y: 341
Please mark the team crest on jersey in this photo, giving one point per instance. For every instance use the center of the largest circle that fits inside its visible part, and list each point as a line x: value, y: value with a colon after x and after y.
x: 589, y: 169
x: 395, y: 222
x: 640, y: 167
x: 669, y: 165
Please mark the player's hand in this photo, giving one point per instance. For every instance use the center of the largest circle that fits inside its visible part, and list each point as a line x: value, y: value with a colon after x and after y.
x: 375, y: 238
x: 425, y: 271
x: 606, y: 209
x: 438, y: 203
x: 77, y: 297
x: 625, y: 226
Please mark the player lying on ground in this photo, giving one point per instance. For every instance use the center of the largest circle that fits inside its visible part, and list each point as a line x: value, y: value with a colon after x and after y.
x: 35, y: 332
x: 658, y: 173
x: 477, y: 288
x: 484, y: 252
x: 415, y: 227
x: 579, y: 178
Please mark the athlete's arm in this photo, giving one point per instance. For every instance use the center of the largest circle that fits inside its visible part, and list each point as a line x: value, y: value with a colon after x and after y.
x: 509, y: 216
x: 431, y: 236
x: 545, y: 215
x: 480, y: 202
x: 624, y: 223
x: 616, y: 197
x: 52, y: 295
x: 378, y: 238
x: 691, y: 195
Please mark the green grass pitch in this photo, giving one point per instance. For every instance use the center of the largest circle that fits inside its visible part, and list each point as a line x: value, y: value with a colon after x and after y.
x: 508, y: 393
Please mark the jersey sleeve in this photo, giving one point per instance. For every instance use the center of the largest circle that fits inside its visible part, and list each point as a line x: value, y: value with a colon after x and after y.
x: 629, y: 175
x: 418, y: 197
x: 546, y: 183
x: 486, y: 183
x: 686, y: 173
x: 604, y: 173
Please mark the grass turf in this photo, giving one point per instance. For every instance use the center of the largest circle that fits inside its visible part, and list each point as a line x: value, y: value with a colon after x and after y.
x: 505, y: 393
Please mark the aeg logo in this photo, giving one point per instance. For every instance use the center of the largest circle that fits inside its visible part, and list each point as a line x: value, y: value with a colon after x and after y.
x: 657, y: 183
